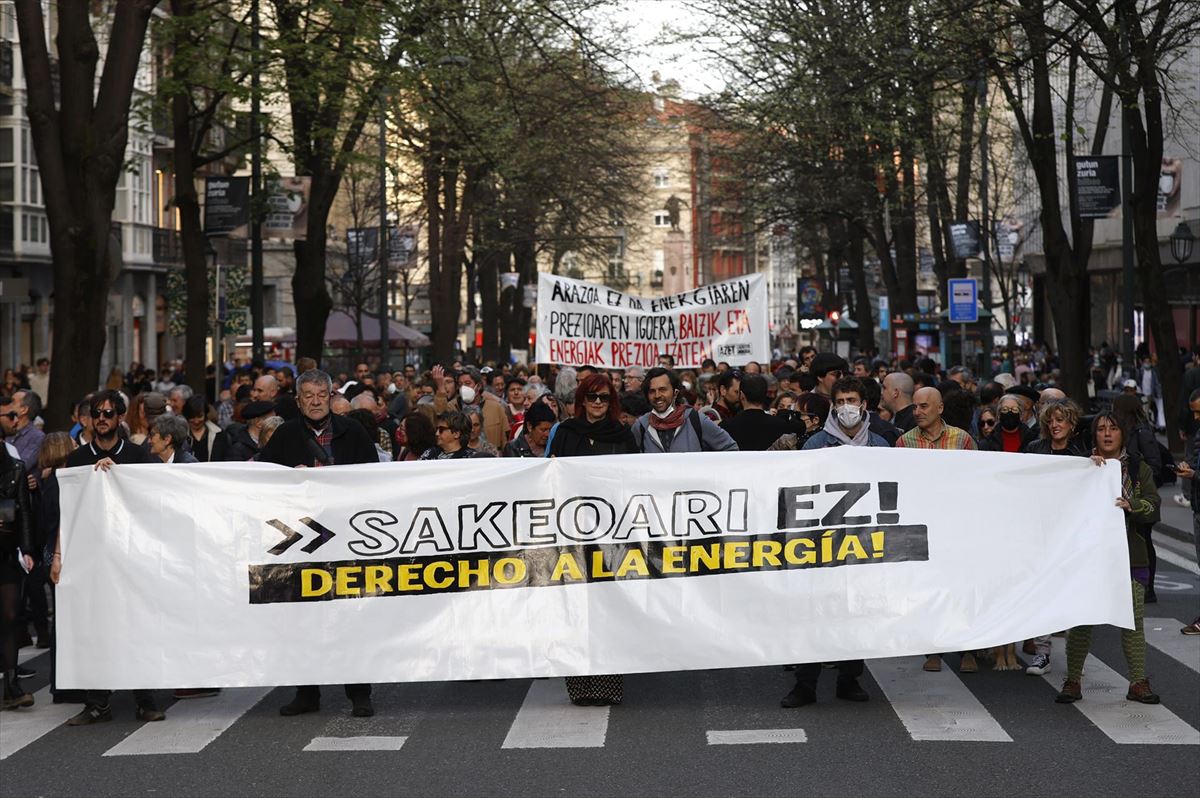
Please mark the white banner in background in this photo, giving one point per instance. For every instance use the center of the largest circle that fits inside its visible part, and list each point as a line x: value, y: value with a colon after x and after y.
x: 250, y: 574
x: 588, y: 324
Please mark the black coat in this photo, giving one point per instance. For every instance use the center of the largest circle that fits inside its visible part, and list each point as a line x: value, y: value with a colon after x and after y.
x: 234, y: 445
x: 294, y: 444
x: 755, y: 430
x: 14, y: 501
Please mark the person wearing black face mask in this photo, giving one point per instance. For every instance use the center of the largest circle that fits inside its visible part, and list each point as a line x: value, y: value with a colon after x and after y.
x: 1009, y: 435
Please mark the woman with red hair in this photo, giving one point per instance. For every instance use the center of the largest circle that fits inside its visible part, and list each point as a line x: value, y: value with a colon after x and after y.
x: 595, y: 429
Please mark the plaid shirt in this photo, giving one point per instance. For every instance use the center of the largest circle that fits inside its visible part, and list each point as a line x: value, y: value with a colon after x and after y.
x: 325, y: 441
x: 950, y: 438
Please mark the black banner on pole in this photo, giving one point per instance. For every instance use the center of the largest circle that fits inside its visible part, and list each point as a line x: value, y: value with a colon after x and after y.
x: 226, y: 206
x: 1097, y: 186
x: 965, y: 237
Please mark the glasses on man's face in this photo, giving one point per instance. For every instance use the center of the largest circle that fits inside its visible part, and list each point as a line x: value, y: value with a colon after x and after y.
x: 597, y: 397
x: 9, y: 415
x: 103, y: 414
x: 1009, y: 411
x: 440, y: 430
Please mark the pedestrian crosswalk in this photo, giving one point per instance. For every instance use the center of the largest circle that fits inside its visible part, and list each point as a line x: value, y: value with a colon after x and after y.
x: 1124, y: 722
x: 931, y: 707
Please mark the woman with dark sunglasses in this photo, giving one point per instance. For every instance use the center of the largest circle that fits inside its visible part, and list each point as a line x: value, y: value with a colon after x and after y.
x: 1009, y: 434
x: 595, y: 429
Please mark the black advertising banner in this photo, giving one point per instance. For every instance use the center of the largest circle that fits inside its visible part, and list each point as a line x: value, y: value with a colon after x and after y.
x: 226, y: 206
x: 1097, y: 186
x: 965, y: 237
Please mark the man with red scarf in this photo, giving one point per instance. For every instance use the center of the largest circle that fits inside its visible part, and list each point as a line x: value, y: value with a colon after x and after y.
x: 671, y: 428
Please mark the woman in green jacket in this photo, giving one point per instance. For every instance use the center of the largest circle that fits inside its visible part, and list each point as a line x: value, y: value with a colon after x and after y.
x: 1139, y: 499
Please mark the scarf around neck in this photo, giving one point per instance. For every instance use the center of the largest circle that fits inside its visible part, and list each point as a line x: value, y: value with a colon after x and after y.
x: 672, y: 420
x: 861, y: 438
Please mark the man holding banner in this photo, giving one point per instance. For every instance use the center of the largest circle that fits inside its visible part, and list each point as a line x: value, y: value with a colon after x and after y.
x: 846, y: 426
x: 320, y: 438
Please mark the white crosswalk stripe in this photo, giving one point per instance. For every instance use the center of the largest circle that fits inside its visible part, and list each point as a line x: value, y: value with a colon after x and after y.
x: 1163, y: 634
x: 934, y: 706
x: 547, y: 719
x: 191, y: 725
x: 356, y: 744
x: 756, y: 736
x: 19, y: 728
x: 1124, y: 722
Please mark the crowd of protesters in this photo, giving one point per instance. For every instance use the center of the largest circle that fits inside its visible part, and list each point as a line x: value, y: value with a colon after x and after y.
x: 299, y: 416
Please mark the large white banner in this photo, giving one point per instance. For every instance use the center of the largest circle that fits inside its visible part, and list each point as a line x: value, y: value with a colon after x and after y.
x: 251, y: 574
x: 587, y: 324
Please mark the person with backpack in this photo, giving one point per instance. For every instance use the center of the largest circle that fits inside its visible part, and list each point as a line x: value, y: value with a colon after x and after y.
x: 1142, y: 443
x: 672, y: 427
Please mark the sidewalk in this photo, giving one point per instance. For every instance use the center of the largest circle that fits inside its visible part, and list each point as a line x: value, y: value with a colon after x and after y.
x: 1176, y: 519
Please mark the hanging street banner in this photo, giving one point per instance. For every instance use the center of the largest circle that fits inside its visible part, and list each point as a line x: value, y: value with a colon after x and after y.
x: 227, y: 207
x: 580, y: 323
x: 1097, y: 185
x: 287, y: 208
x: 964, y: 237
x: 250, y: 574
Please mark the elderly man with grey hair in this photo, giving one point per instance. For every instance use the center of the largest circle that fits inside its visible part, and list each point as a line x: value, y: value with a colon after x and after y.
x: 633, y: 379
x: 176, y: 398
x: 321, y: 438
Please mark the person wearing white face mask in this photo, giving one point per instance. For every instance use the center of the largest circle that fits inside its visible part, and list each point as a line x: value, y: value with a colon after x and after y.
x: 847, y: 425
x: 472, y: 395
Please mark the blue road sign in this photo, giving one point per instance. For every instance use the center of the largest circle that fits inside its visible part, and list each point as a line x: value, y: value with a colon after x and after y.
x: 964, y: 296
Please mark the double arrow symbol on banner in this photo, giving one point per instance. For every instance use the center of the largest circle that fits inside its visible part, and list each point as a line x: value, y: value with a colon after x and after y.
x: 291, y: 537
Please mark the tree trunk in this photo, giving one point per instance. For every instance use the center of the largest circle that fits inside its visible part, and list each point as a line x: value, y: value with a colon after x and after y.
x: 310, y: 292
x: 195, y: 257
x: 862, y: 297
x: 80, y: 147
x: 1146, y: 145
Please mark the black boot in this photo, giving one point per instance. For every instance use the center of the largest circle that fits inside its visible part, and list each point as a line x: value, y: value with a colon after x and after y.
x: 15, y: 696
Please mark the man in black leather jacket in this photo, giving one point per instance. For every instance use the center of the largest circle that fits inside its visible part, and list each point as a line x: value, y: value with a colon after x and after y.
x: 16, y: 541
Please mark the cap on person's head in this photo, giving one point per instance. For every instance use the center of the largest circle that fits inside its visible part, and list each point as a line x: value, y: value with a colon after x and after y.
x: 826, y: 362
x: 154, y: 403
x: 1024, y: 391
x: 257, y: 410
x: 1005, y: 379
x: 1129, y: 384
x: 486, y: 370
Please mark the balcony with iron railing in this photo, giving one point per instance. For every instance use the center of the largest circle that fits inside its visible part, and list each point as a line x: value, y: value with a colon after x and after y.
x: 167, y: 247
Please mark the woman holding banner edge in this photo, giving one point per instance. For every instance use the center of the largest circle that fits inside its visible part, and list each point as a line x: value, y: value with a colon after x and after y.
x: 595, y: 429
x: 1140, y: 500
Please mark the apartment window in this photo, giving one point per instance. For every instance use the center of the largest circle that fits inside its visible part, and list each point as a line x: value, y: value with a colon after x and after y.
x: 662, y: 219
x: 662, y: 178
x: 7, y: 170
x: 140, y: 192
x: 31, y: 182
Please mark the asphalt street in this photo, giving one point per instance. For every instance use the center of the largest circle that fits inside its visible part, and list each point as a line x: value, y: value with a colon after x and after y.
x: 701, y: 733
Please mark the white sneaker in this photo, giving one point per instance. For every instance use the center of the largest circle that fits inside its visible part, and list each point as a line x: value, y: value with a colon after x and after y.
x: 1182, y: 501
x: 1039, y: 666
